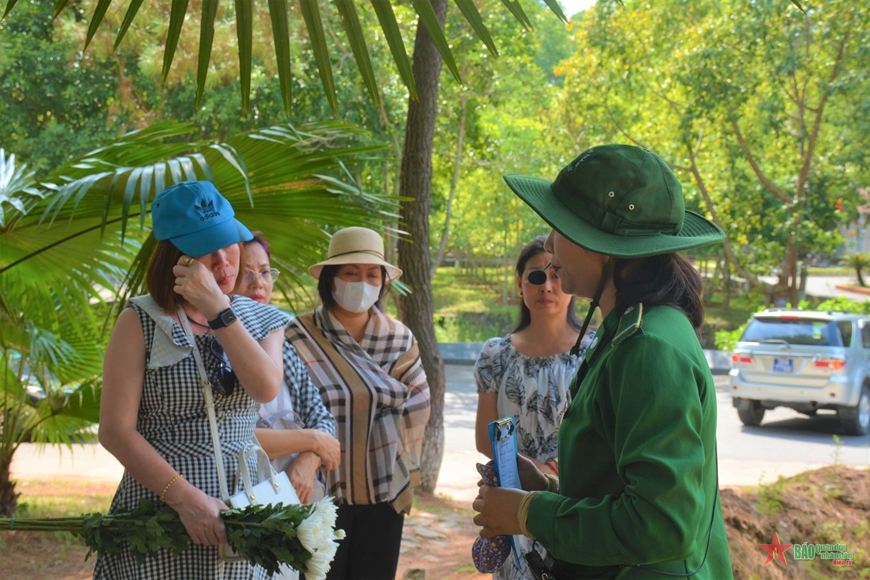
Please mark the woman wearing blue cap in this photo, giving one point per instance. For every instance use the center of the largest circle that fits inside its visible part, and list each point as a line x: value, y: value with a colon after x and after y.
x: 637, y: 492
x: 153, y: 414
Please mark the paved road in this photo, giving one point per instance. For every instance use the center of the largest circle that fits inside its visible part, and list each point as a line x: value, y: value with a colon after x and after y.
x: 786, y: 443
x: 825, y: 286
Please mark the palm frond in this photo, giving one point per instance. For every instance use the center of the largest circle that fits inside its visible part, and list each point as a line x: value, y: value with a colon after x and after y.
x: 279, y: 13
x: 290, y: 182
x: 16, y: 184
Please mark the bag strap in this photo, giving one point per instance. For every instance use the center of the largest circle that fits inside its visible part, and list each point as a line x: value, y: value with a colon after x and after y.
x: 205, y: 384
x: 264, y: 470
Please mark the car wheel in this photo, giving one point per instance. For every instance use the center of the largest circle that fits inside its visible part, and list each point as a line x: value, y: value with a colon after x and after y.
x: 856, y: 420
x: 752, y: 416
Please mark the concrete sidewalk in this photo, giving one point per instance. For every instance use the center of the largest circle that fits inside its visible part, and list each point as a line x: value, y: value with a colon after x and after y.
x: 91, y: 462
x: 458, y: 476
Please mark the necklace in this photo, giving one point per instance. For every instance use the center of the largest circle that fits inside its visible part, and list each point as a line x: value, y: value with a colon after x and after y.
x: 200, y: 324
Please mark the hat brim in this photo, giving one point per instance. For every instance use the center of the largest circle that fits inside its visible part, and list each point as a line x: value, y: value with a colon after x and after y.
x: 354, y: 258
x: 537, y: 193
x: 210, y: 240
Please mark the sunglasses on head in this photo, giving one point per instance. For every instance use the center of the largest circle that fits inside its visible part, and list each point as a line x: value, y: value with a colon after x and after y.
x: 223, y: 379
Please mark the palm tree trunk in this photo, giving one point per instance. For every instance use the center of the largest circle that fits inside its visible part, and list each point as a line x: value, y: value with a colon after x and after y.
x: 8, y: 496
x: 414, y: 260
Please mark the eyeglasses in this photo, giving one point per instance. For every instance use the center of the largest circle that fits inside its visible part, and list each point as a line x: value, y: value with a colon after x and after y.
x: 265, y: 275
x: 223, y: 379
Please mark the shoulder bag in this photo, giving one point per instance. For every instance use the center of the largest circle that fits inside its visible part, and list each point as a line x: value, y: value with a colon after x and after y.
x: 271, y: 487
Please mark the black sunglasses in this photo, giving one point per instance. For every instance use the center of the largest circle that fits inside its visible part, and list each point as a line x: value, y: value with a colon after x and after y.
x: 223, y: 379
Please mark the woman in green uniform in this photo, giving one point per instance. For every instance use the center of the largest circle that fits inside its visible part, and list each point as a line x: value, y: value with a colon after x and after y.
x: 637, y: 492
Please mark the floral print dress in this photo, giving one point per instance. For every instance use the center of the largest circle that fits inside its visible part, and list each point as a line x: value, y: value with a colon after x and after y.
x: 535, y: 390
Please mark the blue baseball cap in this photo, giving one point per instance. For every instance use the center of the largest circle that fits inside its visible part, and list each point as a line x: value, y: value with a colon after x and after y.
x: 196, y: 218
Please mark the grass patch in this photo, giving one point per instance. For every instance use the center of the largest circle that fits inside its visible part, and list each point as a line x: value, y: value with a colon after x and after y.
x: 28, y: 555
x: 473, y: 309
x: 738, y: 312
x: 831, y: 271
x: 770, y: 497
x: 54, y: 498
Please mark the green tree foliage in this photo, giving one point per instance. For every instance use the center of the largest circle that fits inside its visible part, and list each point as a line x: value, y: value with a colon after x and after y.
x: 506, y: 104
x: 55, y: 100
x: 283, y: 17
x: 85, y: 227
x: 748, y: 101
x: 859, y: 261
x: 49, y: 343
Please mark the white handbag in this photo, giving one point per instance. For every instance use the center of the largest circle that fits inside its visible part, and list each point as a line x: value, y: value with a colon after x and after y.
x: 271, y: 487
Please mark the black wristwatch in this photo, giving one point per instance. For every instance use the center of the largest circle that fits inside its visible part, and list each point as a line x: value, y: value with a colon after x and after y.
x: 224, y: 318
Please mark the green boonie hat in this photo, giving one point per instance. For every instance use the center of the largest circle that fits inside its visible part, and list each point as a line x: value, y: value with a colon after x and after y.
x: 617, y: 200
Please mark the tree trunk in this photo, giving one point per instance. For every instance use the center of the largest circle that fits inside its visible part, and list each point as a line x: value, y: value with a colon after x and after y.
x: 8, y: 496
x: 414, y: 260
x: 790, y: 271
x: 726, y: 282
x: 457, y: 164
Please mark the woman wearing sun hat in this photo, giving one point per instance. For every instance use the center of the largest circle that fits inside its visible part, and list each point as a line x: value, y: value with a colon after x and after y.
x: 153, y: 413
x: 368, y: 368
x: 637, y: 492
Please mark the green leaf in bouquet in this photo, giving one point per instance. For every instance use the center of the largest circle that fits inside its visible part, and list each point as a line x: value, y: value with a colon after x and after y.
x: 265, y: 535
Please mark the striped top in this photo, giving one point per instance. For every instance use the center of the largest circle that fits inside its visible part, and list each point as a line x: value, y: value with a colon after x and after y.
x: 378, y: 393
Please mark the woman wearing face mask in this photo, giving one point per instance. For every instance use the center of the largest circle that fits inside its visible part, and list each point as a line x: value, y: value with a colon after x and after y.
x: 368, y: 368
x: 296, y: 428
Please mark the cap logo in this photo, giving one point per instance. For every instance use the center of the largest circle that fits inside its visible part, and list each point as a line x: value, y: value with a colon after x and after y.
x: 206, y: 210
x: 586, y: 154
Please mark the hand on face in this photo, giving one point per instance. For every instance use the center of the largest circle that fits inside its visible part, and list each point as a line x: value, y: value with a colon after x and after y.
x: 205, y: 281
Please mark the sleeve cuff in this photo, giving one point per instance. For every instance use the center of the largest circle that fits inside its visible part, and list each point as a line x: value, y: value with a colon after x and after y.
x: 552, y: 482
x: 523, y: 512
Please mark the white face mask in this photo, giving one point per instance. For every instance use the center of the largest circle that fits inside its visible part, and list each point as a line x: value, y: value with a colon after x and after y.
x: 355, y: 296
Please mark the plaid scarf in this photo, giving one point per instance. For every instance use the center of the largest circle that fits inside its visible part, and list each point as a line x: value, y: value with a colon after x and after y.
x: 377, y: 391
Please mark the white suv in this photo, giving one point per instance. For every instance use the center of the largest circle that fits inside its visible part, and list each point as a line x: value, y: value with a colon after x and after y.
x: 806, y: 361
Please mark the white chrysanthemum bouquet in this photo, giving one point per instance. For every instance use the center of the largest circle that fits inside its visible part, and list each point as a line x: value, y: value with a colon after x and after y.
x: 301, y: 536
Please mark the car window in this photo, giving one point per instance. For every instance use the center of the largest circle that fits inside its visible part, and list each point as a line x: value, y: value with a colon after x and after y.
x: 793, y: 331
x: 865, y: 335
x: 845, y: 327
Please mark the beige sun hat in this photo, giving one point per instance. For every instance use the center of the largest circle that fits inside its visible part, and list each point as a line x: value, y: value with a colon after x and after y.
x: 355, y: 246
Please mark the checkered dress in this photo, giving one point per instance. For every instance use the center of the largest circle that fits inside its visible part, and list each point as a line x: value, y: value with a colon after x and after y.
x: 173, y: 419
